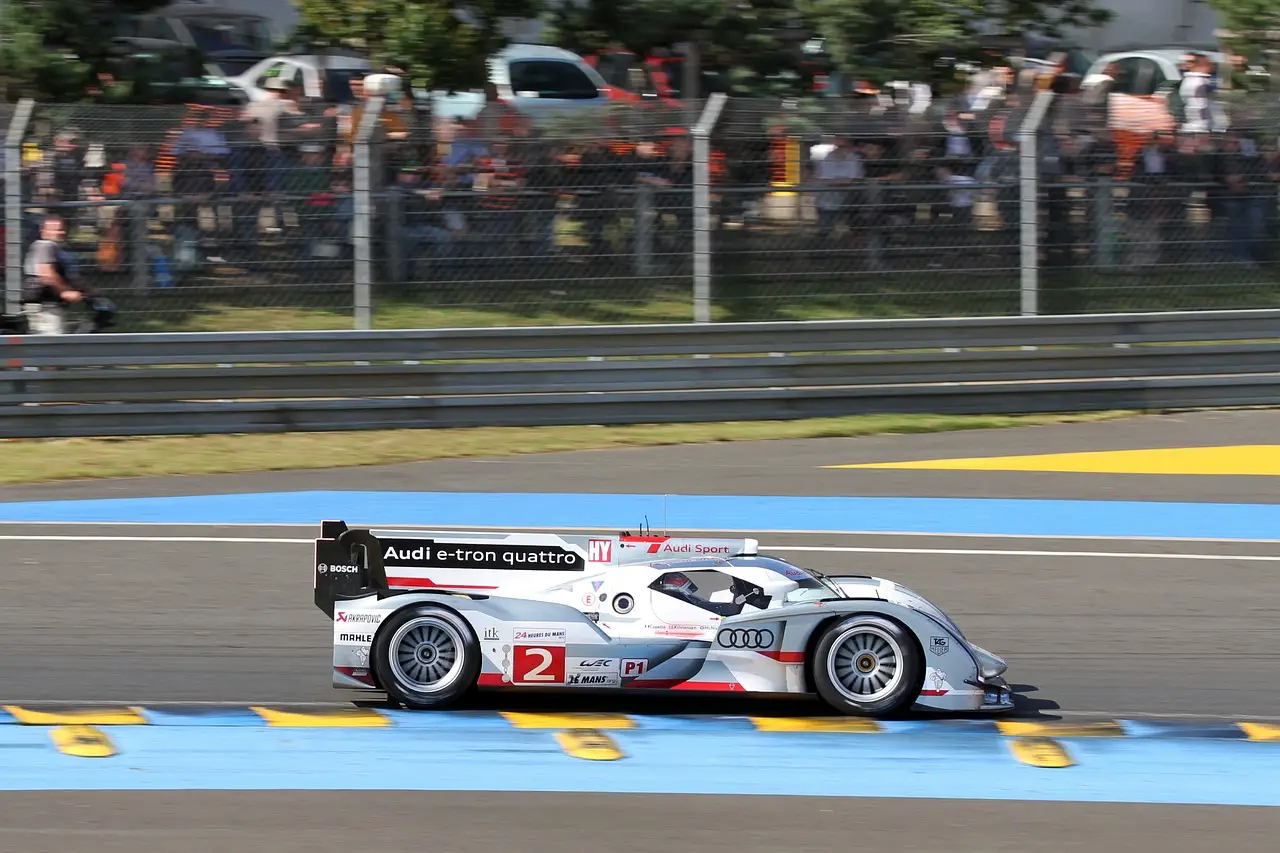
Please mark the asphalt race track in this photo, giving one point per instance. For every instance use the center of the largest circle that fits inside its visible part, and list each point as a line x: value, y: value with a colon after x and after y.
x: 397, y: 822
x: 149, y: 620
x: 1091, y: 626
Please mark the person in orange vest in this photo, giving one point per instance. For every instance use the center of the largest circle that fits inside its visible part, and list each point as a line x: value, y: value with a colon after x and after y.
x: 110, y: 246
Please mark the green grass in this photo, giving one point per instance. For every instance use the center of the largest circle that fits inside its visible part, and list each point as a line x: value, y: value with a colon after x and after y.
x: 51, y: 460
x: 244, y: 307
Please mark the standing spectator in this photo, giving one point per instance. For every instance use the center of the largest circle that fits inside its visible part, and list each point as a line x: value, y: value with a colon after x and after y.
x: 1196, y: 94
x: 61, y: 170
x: 837, y: 167
x: 960, y: 197
x: 1243, y: 173
x: 497, y: 119
x: 139, y: 173
x: 1154, y: 204
x: 48, y: 288
x: 500, y: 179
x: 673, y: 179
x: 265, y: 116
x: 1098, y: 97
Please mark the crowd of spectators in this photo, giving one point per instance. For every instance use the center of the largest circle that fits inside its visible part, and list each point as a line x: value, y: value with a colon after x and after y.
x: 272, y: 182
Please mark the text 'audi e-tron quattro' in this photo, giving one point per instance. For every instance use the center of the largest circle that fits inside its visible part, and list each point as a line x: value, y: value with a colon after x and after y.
x: 428, y: 616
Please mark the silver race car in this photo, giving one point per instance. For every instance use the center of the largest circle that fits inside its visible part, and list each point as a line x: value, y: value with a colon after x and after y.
x: 426, y: 616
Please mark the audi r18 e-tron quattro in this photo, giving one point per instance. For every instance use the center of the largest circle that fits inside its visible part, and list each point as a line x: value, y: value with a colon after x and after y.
x: 427, y: 616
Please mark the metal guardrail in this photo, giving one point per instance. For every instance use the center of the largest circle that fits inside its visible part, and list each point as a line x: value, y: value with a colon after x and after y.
x: 348, y: 380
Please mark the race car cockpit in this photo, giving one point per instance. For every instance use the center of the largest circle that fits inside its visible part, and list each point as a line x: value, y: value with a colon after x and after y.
x: 719, y: 592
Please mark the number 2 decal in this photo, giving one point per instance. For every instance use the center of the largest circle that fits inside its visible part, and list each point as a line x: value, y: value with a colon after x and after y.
x: 538, y: 665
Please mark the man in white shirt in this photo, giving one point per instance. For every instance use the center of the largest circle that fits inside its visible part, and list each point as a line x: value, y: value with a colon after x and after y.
x: 837, y: 165
x: 1196, y: 93
x: 48, y: 290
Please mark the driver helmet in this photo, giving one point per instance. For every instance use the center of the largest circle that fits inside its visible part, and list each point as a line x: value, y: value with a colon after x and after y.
x: 678, y: 582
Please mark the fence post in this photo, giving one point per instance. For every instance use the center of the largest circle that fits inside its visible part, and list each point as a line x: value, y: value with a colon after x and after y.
x: 13, y: 219
x: 141, y: 253
x: 1106, y: 228
x: 643, y: 210
x: 1029, y: 161
x: 392, y: 229
x: 362, y: 182
x: 702, y: 207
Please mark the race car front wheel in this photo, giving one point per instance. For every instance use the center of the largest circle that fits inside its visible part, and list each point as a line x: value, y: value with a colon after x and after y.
x: 426, y: 657
x: 867, y: 665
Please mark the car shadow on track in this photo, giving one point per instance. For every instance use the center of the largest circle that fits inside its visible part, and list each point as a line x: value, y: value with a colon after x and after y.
x: 664, y: 704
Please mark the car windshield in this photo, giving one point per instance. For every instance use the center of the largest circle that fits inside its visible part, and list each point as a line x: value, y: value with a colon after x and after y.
x: 213, y: 35
x: 542, y: 78
x: 812, y: 583
x: 337, y: 84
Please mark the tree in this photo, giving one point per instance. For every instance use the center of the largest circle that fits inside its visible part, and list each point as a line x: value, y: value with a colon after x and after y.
x: 756, y: 43
x: 878, y: 39
x: 1254, y: 29
x: 752, y: 45
x: 437, y: 44
x: 55, y: 49
x: 1249, y: 18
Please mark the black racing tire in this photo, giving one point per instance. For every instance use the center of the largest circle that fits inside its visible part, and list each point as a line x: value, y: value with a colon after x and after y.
x: 426, y: 657
x: 853, y: 658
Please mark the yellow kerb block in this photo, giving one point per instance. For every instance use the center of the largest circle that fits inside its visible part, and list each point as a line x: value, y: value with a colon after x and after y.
x: 855, y: 725
x: 130, y: 716
x: 1261, y: 731
x: 1040, y: 752
x: 1019, y: 728
x: 589, y: 745
x: 568, y: 721
x: 343, y: 718
x: 82, y: 742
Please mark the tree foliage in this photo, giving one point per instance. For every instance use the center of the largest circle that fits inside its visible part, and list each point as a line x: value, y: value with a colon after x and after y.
x: 1247, y: 16
x: 437, y: 43
x: 55, y: 49
x: 876, y: 39
x: 753, y: 45
x: 1255, y: 23
x: 756, y: 40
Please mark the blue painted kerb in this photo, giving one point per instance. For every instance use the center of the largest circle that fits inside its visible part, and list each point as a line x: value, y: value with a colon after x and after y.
x: 989, y: 516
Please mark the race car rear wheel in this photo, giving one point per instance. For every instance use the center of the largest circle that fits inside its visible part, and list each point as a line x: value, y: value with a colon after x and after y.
x: 426, y: 657
x: 867, y: 666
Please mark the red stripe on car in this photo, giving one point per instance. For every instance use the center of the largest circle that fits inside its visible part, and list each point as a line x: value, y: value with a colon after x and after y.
x: 427, y: 583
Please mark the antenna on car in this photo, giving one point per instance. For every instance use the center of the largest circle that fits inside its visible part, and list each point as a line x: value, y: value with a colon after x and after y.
x: 645, y: 529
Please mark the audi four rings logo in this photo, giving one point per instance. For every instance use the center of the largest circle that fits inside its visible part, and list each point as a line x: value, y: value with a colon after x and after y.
x: 745, y: 638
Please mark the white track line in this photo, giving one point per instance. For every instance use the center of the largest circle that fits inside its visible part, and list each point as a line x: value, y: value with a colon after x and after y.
x: 821, y: 549
x: 672, y: 530
x: 231, y: 540
x: 983, y: 552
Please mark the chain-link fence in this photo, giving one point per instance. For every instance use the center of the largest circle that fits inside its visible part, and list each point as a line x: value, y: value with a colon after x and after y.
x: 1141, y: 211
x: 196, y: 218
x: 199, y: 216
x: 852, y: 208
x: 583, y: 219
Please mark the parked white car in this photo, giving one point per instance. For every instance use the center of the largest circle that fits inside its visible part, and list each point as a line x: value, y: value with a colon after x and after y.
x: 1147, y: 72
x: 533, y: 79
x: 328, y: 77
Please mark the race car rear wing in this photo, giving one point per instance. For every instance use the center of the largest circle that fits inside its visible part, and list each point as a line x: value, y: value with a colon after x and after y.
x: 353, y: 563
